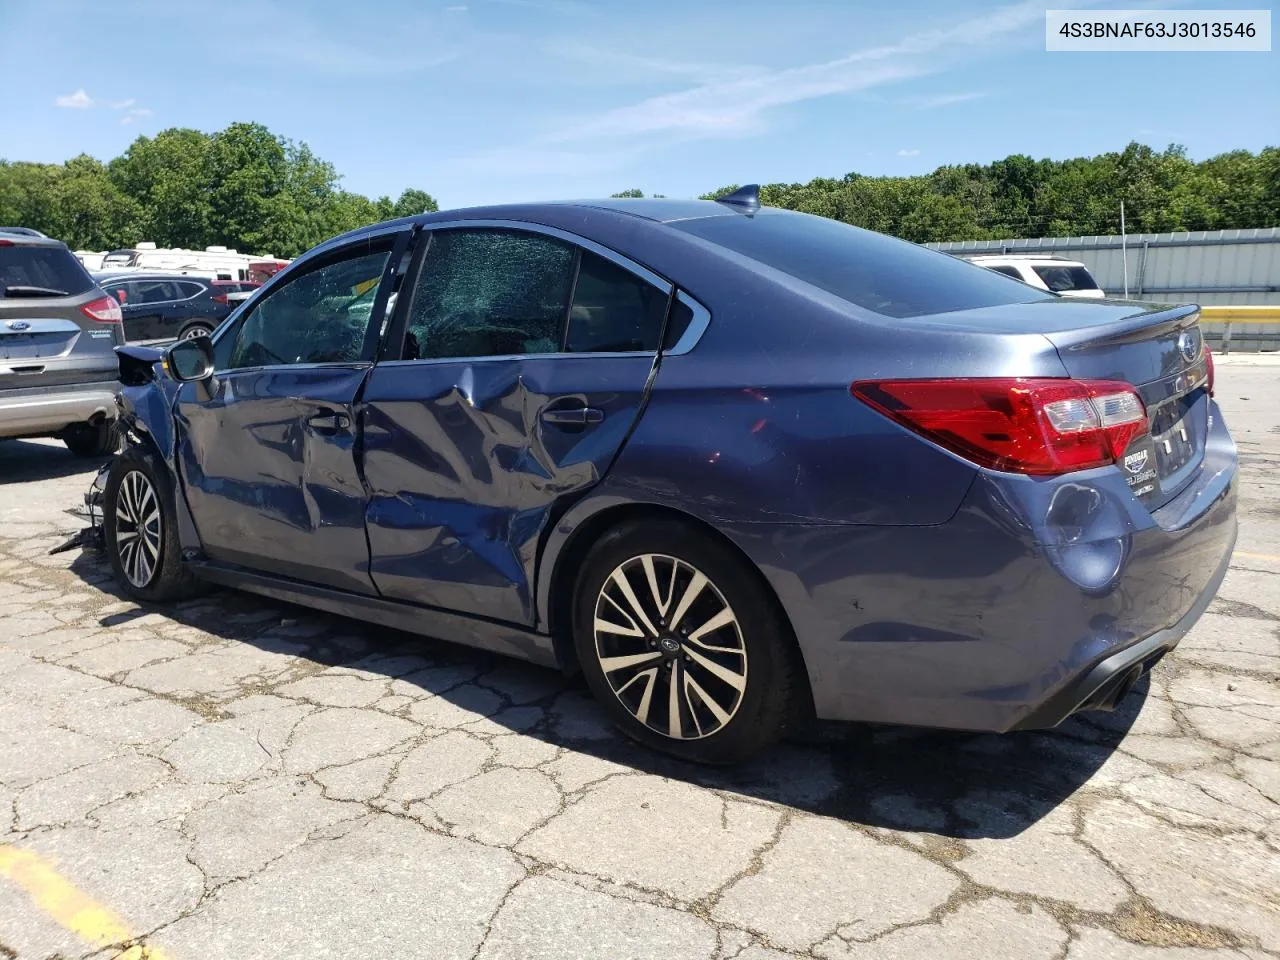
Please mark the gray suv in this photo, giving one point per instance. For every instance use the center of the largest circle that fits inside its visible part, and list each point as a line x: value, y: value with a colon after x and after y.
x: 58, y: 334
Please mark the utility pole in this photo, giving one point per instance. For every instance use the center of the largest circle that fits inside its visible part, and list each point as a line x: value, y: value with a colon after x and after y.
x: 1124, y: 252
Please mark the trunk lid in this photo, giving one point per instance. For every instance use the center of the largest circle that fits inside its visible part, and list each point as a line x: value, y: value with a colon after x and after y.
x: 1158, y: 348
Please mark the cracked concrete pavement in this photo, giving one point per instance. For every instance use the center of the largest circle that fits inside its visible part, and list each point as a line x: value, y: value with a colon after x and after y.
x: 236, y: 778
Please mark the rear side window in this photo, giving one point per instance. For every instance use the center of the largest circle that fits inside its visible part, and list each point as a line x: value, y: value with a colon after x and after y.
x: 613, y: 310
x: 490, y: 293
x: 188, y: 288
x: 47, y: 268
x: 1007, y: 271
x: 878, y: 273
x: 1058, y: 278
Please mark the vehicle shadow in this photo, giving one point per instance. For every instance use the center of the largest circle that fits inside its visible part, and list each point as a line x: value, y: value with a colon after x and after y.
x: 22, y: 461
x: 951, y: 785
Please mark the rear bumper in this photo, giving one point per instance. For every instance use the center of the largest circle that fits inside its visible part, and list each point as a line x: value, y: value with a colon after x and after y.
x: 44, y: 410
x: 1103, y: 685
x: 1020, y: 610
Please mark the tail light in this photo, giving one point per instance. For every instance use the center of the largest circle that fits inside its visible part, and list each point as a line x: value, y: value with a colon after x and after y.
x: 1208, y: 363
x: 1023, y: 425
x: 219, y: 298
x: 103, y: 310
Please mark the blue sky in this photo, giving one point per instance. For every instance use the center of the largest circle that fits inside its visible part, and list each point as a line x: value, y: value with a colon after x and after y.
x: 483, y: 101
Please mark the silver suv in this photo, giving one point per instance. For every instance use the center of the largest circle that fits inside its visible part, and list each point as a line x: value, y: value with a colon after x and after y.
x: 58, y: 334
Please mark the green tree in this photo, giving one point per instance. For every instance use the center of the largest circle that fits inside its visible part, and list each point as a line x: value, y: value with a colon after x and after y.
x: 166, y: 176
x: 413, y: 202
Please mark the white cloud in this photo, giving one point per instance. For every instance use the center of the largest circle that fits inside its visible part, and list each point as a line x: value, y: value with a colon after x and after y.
x: 945, y: 100
x: 734, y: 106
x: 623, y: 66
x: 126, y: 121
x: 904, y: 152
x: 340, y: 44
x: 460, y: 8
x: 140, y: 112
x: 123, y: 104
x: 74, y: 101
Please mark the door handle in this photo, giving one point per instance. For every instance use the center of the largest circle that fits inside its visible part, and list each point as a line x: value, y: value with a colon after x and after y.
x: 329, y: 422
x: 572, y: 416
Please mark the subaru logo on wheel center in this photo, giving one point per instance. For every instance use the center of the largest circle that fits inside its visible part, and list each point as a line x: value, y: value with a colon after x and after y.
x: 1189, y: 345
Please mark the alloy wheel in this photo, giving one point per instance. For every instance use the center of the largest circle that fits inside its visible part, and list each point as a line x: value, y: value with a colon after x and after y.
x: 138, y: 528
x: 670, y: 646
x: 193, y: 333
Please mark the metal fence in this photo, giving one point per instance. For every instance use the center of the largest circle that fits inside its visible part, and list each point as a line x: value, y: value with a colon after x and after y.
x: 1220, y: 268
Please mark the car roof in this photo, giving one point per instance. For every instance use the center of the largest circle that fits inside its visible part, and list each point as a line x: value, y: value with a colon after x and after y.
x: 654, y: 209
x: 31, y: 240
x: 105, y: 276
x: 22, y: 231
x: 1016, y: 258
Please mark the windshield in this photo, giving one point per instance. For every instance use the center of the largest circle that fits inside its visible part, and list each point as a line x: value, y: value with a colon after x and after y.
x: 888, y: 276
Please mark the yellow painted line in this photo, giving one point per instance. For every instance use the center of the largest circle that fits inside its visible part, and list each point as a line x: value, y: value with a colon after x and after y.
x: 70, y: 907
x: 1257, y: 556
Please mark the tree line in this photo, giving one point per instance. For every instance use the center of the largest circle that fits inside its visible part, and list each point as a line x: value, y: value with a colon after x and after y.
x: 243, y: 187
x: 247, y: 188
x: 1018, y: 196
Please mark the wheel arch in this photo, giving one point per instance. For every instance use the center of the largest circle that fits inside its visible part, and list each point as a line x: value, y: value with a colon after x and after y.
x: 565, y: 560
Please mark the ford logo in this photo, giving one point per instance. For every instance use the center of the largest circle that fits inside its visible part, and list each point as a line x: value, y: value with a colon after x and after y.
x: 19, y: 325
x: 1189, y: 345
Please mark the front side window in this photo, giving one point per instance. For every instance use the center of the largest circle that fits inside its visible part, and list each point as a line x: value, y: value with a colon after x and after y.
x: 321, y: 316
x: 490, y: 293
x: 153, y: 291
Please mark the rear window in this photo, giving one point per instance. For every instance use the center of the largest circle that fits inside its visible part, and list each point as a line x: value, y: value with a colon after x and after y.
x: 881, y: 274
x: 53, y: 268
x: 1058, y: 278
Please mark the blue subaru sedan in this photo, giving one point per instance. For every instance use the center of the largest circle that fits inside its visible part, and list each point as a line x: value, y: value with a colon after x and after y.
x: 739, y: 466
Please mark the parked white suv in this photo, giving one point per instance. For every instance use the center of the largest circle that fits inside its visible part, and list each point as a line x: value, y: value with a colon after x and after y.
x: 1068, y: 278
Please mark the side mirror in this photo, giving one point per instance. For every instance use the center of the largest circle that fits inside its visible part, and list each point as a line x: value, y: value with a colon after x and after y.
x: 190, y: 360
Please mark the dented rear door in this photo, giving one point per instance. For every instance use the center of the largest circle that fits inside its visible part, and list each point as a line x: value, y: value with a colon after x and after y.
x: 469, y: 458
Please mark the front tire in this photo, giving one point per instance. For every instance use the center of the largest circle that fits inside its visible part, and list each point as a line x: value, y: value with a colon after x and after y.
x: 141, y: 530
x: 681, y: 643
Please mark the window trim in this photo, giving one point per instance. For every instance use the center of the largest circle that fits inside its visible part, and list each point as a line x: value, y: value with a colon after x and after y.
x: 394, y: 351
x: 400, y: 236
x: 696, y: 328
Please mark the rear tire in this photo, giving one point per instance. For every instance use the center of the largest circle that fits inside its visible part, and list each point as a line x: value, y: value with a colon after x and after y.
x: 92, y: 439
x: 141, y: 530
x: 194, y: 330
x: 706, y: 625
